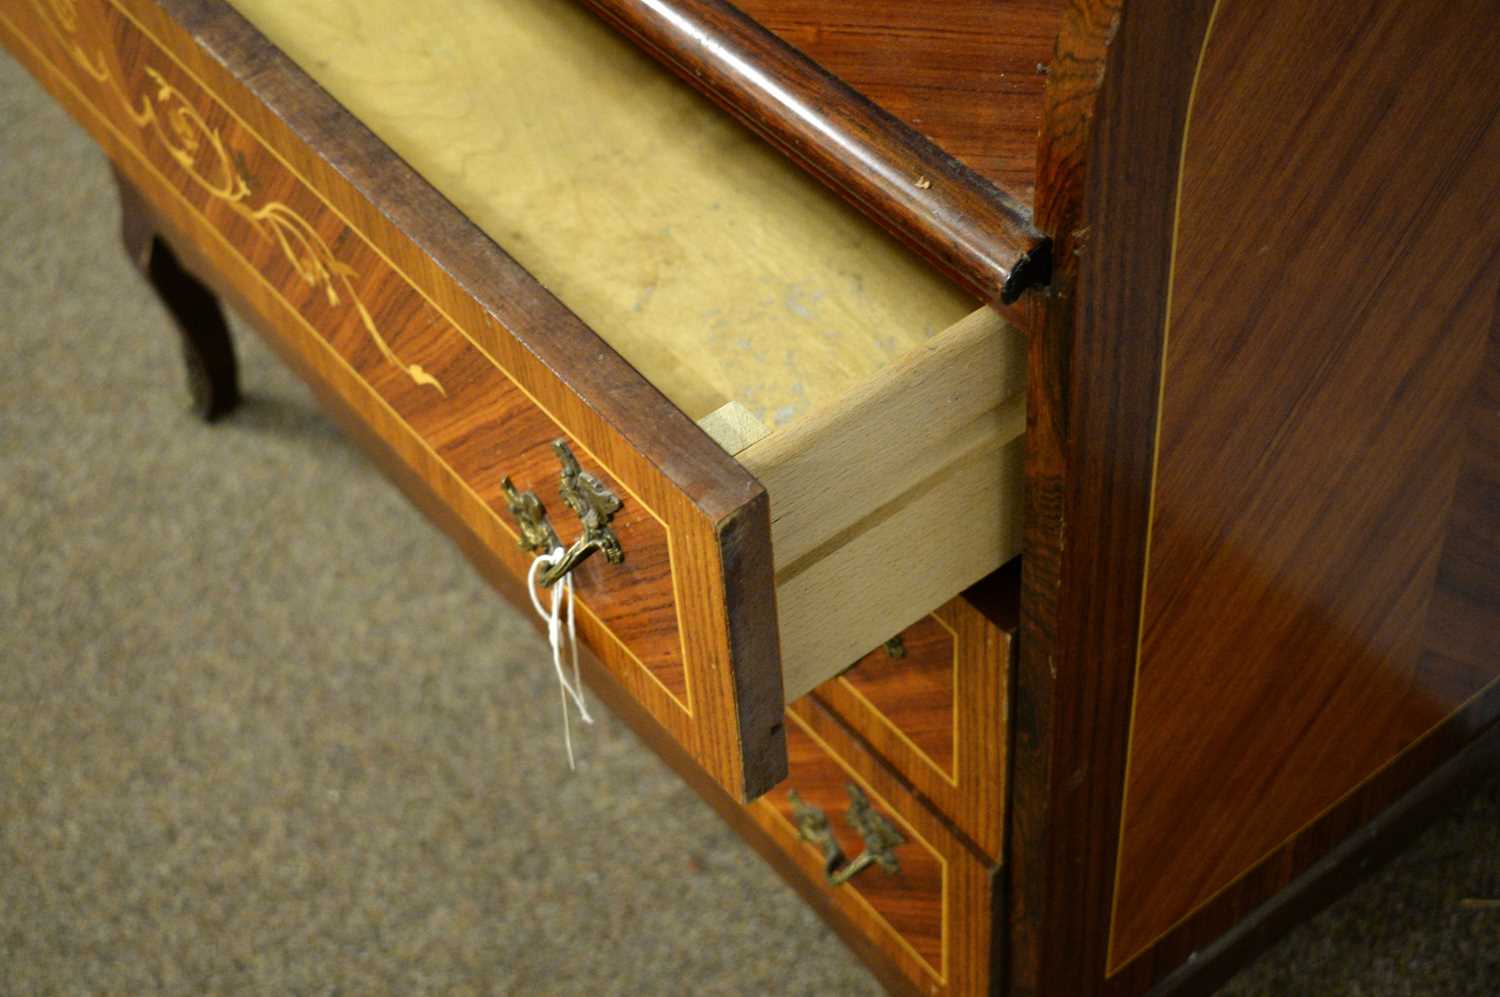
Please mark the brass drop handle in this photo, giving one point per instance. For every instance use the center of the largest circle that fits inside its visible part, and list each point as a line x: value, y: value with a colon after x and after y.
x: 880, y: 836
x: 586, y: 495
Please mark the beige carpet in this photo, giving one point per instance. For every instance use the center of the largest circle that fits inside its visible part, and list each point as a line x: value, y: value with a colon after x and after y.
x: 262, y: 731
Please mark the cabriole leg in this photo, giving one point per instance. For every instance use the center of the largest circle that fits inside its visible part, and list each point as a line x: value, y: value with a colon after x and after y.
x: 207, y: 351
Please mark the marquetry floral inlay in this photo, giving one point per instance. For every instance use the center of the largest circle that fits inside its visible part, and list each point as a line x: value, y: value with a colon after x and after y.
x: 61, y: 18
x: 201, y: 152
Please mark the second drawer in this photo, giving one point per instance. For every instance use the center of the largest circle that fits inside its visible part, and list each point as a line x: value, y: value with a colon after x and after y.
x: 934, y: 704
x: 929, y: 909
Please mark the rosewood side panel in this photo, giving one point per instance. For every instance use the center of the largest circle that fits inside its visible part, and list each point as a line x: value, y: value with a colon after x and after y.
x: 1336, y: 491
x: 1272, y: 443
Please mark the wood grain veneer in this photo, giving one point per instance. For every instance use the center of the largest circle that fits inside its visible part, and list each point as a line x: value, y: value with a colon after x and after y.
x: 827, y: 755
x: 1260, y: 528
x: 1351, y: 851
x: 866, y: 932
x: 836, y: 756
x: 803, y: 315
x: 1261, y: 589
x: 911, y: 683
x: 1332, y: 505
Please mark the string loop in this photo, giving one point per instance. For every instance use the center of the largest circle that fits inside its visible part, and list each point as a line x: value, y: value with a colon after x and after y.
x: 562, y: 592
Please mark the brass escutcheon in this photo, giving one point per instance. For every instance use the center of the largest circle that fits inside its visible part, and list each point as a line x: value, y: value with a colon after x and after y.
x: 880, y: 836
x: 586, y: 495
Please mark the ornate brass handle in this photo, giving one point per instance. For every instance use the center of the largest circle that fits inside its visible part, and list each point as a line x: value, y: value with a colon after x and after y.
x: 586, y: 495
x: 880, y: 836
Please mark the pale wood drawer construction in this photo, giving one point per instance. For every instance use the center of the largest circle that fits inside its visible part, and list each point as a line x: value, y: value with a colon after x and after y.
x: 864, y: 462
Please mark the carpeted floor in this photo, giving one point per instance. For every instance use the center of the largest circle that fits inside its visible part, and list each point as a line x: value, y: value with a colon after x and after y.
x: 262, y: 730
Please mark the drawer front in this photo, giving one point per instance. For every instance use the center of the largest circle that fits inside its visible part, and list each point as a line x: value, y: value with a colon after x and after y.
x: 934, y: 705
x: 932, y: 916
x: 458, y: 360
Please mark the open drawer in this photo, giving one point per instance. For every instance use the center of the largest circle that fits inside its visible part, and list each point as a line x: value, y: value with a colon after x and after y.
x: 859, y: 458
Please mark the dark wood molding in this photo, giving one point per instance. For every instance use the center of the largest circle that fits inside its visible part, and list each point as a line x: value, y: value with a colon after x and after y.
x: 1122, y: 245
x: 975, y: 232
x: 1043, y: 829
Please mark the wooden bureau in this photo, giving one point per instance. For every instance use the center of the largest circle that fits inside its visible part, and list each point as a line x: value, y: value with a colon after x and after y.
x: 1052, y: 447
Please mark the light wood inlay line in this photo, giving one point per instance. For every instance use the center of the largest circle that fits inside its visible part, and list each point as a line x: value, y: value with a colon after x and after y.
x: 1114, y: 962
x: 951, y: 777
x: 1118, y: 964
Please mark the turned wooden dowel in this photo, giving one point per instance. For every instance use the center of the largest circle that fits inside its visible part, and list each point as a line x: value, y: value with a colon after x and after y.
x: 974, y: 231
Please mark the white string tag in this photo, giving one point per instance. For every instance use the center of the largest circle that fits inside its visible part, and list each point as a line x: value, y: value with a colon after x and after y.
x: 562, y: 591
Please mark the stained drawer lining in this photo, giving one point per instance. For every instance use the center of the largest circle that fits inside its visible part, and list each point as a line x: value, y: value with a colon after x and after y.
x: 715, y: 267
